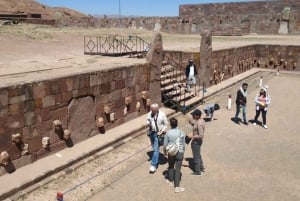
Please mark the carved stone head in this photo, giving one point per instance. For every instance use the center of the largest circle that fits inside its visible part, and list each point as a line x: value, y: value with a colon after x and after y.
x: 138, y: 106
x: 112, y: 116
x: 128, y: 100
x: 46, y: 142
x: 57, y: 125
x: 16, y: 138
x: 148, y: 102
x: 4, y: 158
x: 67, y: 134
x: 144, y: 94
x: 107, y: 109
x: 100, y: 122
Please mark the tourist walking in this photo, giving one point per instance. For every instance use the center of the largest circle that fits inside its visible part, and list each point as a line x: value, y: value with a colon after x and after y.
x: 157, y: 123
x: 241, y: 102
x: 262, y: 100
x: 190, y: 73
x: 196, y: 141
x: 175, y: 162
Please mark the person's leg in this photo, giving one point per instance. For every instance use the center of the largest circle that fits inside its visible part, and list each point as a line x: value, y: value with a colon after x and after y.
x: 236, y: 118
x: 200, y: 157
x: 178, y: 163
x: 155, y: 146
x: 256, y: 115
x: 244, y: 114
x: 264, y: 116
x: 196, y: 156
x: 171, y: 162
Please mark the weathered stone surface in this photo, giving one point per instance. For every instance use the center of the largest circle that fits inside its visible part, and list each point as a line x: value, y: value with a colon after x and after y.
x: 24, y: 160
x: 39, y: 90
x: 155, y: 57
x: 34, y: 144
x: 81, y: 118
x: 3, y: 97
x: 206, y: 57
x: 48, y: 101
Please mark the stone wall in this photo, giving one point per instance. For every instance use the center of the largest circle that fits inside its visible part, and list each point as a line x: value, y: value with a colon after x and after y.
x: 262, y: 17
x: 228, y: 63
x: 279, y: 57
x: 76, y: 101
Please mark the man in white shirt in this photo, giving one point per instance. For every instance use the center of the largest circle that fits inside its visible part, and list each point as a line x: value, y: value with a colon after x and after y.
x: 157, y: 122
x: 190, y: 73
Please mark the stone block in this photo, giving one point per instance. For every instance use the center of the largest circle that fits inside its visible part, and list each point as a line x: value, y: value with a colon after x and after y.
x: 66, y: 96
x: 119, y: 84
x: 16, y: 99
x: 5, y: 141
x: 69, y: 84
x: 13, y: 151
x: 105, y: 88
x: 43, y: 153
x: 57, y: 146
x: 35, y: 144
x: 20, y: 162
x: 9, y: 123
x: 29, y: 118
x: 45, y: 114
x: 39, y: 90
x: 29, y: 106
x: 28, y: 92
x: 55, y: 87
x: 84, y: 81
x: 4, y: 111
x: 15, y: 91
x: 59, y: 113
x: 16, y: 109
x: 48, y: 101
x: 26, y: 134
x: 38, y: 103
x: 81, y: 118
x: 54, y: 138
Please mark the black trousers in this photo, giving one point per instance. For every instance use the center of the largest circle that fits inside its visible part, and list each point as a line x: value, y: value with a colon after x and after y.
x: 263, y: 113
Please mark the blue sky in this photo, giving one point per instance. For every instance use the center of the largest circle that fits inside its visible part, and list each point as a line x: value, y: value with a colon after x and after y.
x: 128, y: 7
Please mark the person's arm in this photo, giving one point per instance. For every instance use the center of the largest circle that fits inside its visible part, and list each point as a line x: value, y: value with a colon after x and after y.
x: 256, y: 99
x: 164, y: 122
x: 268, y: 100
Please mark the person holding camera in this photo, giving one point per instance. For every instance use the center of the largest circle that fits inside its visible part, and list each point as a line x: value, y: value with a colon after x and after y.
x: 157, y: 123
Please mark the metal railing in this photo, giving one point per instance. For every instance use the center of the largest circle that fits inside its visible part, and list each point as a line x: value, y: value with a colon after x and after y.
x: 113, y: 45
x: 176, y: 82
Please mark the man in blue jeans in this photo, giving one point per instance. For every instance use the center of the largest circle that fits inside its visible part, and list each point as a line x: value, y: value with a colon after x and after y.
x: 241, y: 102
x: 157, y: 122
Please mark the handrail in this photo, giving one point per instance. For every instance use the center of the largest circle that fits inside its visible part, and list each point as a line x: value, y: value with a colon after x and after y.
x: 114, y: 45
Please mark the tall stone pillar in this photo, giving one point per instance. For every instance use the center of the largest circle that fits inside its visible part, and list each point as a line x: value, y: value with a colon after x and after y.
x: 155, y: 58
x: 284, y: 22
x: 205, y: 57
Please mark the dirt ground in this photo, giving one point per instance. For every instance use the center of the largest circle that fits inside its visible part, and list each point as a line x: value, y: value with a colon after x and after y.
x: 25, y: 43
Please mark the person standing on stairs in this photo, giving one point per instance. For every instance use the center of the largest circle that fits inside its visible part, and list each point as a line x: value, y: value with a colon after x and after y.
x: 190, y: 73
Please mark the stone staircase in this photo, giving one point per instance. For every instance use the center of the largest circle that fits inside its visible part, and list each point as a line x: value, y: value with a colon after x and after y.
x: 173, y: 88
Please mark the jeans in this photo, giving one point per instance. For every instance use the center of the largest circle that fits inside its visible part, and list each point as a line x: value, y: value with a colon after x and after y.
x: 197, y: 158
x: 155, y: 146
x: 263, y: 113
x: 238, y: 108
x: 174, y: 174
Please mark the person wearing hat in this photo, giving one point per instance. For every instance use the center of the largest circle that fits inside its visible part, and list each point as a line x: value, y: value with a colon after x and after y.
x: 262, y: 100
x: 190, y: 73
x: 196, y: 140
x: 157, y: 123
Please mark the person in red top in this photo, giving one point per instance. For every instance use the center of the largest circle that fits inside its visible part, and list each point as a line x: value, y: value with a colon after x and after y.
x: 262, y: 101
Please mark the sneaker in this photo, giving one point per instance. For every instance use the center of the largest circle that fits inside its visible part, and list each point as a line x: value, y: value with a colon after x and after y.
x: 152, y: 169
x: 265, y: 126
x: 196, y: 173
x: 179, y: 189
x: 254, y: 124
x: 169, y: 182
